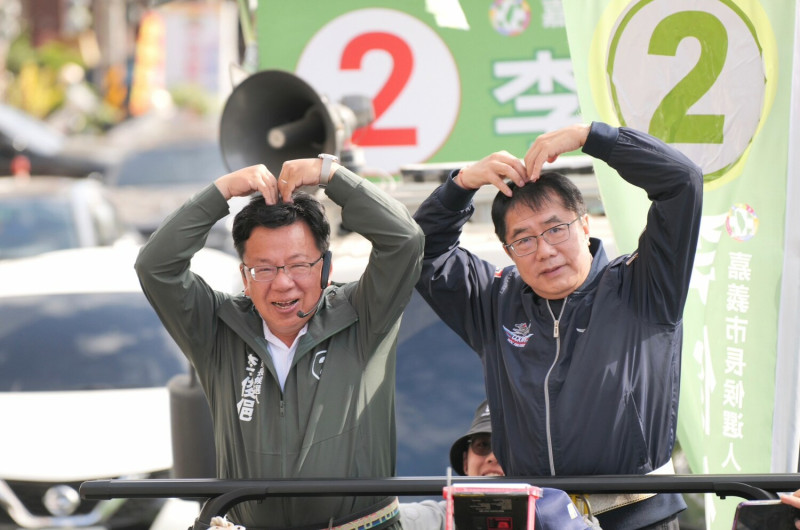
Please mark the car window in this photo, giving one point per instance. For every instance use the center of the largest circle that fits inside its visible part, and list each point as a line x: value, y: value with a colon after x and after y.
x: 35, y: 225
x: 84, y: 341
x: 197, y: 164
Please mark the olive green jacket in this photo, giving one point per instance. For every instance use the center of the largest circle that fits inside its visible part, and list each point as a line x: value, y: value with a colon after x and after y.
x: 335, y: 417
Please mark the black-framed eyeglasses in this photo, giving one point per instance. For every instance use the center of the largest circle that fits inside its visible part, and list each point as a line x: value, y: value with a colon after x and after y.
x: 481, y: 444
x: 292, y: 270
x: 553, y: 236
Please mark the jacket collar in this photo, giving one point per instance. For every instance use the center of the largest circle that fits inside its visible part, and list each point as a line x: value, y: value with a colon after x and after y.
x: 599, y: 262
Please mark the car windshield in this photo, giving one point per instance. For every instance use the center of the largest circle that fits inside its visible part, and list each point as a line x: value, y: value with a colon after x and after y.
x: 196, y: 164
x: 84, y: 341
x: 34, y: 225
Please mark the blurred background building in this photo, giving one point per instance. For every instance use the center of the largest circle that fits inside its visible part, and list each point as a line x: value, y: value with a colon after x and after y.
x: 85, y: 66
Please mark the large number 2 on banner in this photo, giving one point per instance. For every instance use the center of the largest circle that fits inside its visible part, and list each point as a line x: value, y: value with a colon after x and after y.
x: 699, y: 78
x: 671, y: 120
x: 403, y: 64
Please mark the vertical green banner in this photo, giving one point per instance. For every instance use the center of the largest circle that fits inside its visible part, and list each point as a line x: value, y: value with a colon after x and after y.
x: 712, y: 78
x: 449, y: 81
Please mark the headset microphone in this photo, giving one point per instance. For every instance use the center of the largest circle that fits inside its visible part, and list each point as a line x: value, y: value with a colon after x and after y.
x: 314, y: 309
x: 326, y: 270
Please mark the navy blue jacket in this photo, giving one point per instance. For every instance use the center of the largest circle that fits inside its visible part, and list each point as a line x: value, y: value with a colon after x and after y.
x: 602, y: 398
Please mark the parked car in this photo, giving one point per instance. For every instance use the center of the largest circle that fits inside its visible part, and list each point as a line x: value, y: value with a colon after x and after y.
x: 48, y: 151
x: 84, y: 367
x: 40, y: 214
x: 149, y: 183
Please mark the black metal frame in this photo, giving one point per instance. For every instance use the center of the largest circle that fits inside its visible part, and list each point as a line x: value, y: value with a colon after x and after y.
x: 220, y: 495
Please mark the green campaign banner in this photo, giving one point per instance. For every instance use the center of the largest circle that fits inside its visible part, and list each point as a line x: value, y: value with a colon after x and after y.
x: 713, y: 78
x: 449, y: 81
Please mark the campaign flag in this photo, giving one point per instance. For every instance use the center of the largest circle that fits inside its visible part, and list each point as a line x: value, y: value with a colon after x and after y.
x: 718, y: 80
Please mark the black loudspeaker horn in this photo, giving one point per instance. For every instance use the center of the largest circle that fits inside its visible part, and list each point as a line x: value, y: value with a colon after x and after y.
x: 273, y: 116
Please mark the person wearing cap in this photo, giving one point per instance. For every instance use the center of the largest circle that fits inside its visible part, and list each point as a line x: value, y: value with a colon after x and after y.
x: 471, y: 455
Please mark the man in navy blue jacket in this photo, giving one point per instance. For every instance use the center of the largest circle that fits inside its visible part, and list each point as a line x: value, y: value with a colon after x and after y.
x: 581, y: 355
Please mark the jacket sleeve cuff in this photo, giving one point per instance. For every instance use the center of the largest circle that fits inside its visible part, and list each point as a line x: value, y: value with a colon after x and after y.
x: 601, y: 140
x: 454, y: 197
x: 213, y: 200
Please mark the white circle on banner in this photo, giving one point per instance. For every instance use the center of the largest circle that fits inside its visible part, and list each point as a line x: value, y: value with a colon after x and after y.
x: 714, y: 71
x: 404, y: 66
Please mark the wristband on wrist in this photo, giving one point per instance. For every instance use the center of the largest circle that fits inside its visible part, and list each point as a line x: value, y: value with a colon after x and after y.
x: 325, y: 171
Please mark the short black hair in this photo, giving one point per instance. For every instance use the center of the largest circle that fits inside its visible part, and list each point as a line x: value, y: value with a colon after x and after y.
x: 304, y: 207
x: 551, y: 187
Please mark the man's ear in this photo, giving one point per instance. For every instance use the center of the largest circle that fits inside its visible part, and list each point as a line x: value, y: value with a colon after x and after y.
x: 585, y: 224
x: 507, y: 251
x: 465, y: 461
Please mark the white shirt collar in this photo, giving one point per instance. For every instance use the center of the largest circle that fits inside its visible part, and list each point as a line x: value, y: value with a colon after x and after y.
x: 282, y: 355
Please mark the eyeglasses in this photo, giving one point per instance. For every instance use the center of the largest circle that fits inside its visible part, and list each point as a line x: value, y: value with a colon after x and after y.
x: 553, y: 236
x: 481, y: 444
x: 292, y: 270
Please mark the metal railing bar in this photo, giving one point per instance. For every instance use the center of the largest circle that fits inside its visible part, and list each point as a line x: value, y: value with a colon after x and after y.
x: 750, y: 487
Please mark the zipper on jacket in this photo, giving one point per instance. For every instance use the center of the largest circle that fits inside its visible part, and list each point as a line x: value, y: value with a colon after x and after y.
x: 282, y: 410
x: 285, y: 501
x: 556, y: 335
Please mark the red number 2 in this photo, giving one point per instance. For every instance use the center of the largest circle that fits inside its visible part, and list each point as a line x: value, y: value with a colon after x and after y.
x: 403, y: 60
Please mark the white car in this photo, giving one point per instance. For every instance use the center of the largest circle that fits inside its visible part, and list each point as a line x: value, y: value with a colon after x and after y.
x: 84, y: 364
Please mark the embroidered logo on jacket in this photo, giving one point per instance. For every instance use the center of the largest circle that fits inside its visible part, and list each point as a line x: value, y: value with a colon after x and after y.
x: 519, y: 336
x: 251, y: 388
x: 319, y: 363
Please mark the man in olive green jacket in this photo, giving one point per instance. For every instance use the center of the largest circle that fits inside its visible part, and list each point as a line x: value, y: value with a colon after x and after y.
x: 299, y: 374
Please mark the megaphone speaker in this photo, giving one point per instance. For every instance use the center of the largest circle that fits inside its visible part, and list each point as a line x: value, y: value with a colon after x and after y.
x: 273, y: 116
